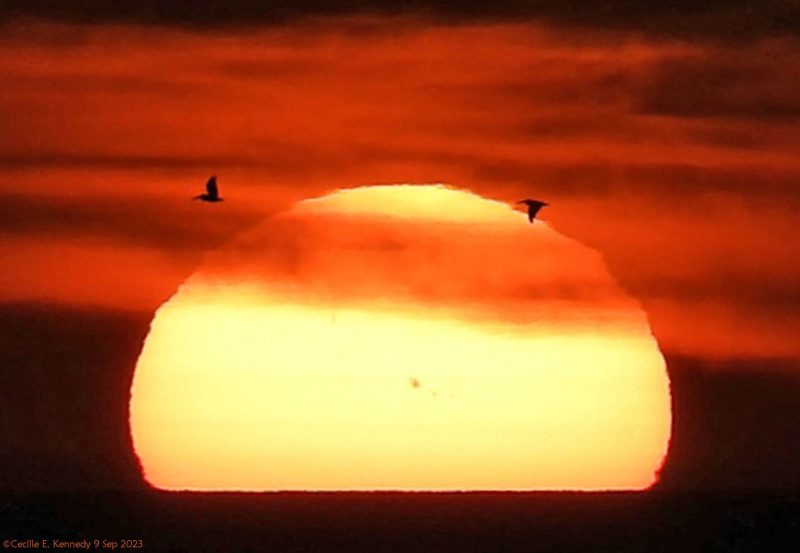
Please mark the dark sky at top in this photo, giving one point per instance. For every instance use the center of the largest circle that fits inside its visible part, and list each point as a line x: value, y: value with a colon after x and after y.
x: 735, y: 19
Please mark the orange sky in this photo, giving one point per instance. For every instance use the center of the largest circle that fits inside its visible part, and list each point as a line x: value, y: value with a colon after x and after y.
x: 676, y: 158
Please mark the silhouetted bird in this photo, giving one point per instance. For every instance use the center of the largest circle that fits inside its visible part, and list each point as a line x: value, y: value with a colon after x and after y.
x: 533, y: 207
x: 212, y: 192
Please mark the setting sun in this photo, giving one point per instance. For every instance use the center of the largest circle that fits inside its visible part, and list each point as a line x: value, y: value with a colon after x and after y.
x: 401, y: 337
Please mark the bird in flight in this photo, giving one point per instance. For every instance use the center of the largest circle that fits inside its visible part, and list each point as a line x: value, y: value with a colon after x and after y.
x: 533, y: 207
x: 212, y: 192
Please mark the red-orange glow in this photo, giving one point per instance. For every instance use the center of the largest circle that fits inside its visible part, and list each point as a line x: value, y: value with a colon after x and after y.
x: 432, y: 367
x: 630, y: 136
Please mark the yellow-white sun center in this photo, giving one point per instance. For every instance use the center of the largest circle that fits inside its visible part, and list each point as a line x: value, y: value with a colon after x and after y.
x: 406, y: 337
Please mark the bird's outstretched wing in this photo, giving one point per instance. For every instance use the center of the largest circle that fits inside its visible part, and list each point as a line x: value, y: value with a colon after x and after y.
x: 533, y: 209
x: 211, y: 187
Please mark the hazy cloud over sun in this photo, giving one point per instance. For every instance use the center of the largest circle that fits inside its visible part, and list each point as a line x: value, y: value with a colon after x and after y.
x: 445, y: 251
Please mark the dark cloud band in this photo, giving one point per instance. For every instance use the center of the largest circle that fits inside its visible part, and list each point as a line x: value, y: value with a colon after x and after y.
x: 734, y: 19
